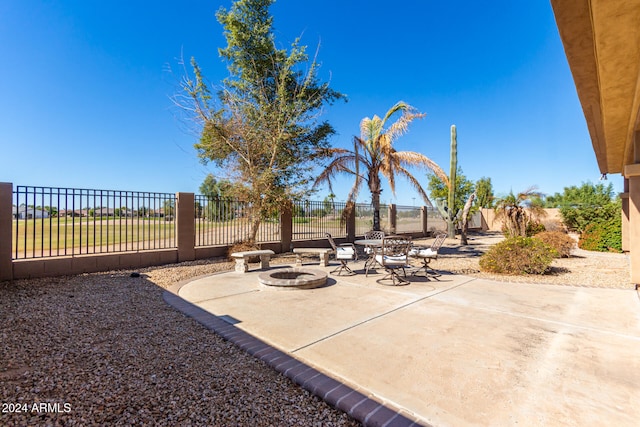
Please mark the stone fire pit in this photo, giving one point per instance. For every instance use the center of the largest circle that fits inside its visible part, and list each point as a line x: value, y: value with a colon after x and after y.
x: 293, y: 278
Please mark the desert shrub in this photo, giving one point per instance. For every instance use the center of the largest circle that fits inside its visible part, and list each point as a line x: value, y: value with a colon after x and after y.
x: 518, y: 255
x: 534, y: 227
x: 553, y: 225
x: 559, y: 241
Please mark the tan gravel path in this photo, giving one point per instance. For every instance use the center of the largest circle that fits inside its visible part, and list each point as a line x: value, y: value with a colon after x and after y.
x: 104, y: 349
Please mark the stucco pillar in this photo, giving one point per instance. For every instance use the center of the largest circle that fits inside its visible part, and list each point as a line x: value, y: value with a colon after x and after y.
x: 624, y: 197
x: 286, y: 228
x: 393, y: 220
x: 186, y: 226
x: 424, y: 220
x: 6, y: 221
x: 632, y: 174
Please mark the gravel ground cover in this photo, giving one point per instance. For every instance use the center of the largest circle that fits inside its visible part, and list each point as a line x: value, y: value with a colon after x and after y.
x: 104, y: 349
x: 583, y: 268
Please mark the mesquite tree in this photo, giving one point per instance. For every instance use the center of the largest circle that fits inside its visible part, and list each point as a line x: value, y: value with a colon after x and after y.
x: 263, y: 125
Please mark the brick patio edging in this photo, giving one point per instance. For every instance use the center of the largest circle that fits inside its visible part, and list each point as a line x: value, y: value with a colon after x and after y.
x: 360, y: 407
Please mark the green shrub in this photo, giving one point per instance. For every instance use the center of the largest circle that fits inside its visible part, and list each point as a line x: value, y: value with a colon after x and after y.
x: 518, y: 255
x: 559, y: 241
x: 605, y: 236
x: 591, y: 238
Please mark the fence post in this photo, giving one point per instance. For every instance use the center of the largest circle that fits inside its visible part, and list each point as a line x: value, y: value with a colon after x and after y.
x: 351, y: 222
x: 6, y: 221
x: 286, y: 227
x: 424, y: 220
x: 393, y: 220
x: 186, y: 226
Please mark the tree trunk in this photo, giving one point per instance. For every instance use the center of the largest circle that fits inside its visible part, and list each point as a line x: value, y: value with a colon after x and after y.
x: 255, y: 219
x: 375, y: 202
x: 465, y: 219
x: 253, y: 228
x: 374, y: 188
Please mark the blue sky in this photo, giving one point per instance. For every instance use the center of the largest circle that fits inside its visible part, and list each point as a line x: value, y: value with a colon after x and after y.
x: 86, y: 88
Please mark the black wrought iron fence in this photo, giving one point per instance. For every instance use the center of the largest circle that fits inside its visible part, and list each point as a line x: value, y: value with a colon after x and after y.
x: 364, y: 218
x: 224, y: 221
x: 311, y: 220
x: 385, y: 220
x: 408, y: 219
x: 49, y: 221
x: 435, y: 222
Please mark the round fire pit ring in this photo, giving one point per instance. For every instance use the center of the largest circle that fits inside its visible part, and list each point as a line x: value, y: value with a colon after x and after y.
x: 293, y: 278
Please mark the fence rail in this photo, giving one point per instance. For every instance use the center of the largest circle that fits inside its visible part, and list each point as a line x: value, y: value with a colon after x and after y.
x: 49, y: 221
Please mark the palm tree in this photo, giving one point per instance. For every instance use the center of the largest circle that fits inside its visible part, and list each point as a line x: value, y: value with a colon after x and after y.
x: 373, y: 153
x: 518, y: 210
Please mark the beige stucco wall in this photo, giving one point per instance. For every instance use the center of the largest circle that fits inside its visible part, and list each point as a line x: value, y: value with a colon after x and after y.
x: 552, y: 220
x: 59, y: 266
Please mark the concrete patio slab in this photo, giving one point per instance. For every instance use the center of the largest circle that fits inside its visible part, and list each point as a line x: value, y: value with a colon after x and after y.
x: 460, y: 351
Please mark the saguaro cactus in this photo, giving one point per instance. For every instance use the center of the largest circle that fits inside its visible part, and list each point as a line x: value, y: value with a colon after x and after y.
x: 451, y: 200
x: 447, y: 207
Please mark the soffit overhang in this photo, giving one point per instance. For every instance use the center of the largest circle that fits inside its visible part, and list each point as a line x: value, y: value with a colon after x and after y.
x: 601, y: 40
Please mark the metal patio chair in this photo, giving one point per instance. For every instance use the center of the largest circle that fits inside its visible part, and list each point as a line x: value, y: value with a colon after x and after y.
x: 345, y: 252
x: 393, y: 255
x: 426, y: 255
x: 369, y: 250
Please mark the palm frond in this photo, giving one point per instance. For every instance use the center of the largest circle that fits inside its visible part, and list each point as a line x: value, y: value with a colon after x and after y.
x: 398, y: 106
x: 388, y: 162
x: 529, y: 193
x: 400, y: 126
x: 341, y: 164
x: 370, y: 129
x: 411, y: 158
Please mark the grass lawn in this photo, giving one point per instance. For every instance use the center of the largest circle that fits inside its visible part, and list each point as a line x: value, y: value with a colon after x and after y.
x: 66, y: 235
x: 59, y: 236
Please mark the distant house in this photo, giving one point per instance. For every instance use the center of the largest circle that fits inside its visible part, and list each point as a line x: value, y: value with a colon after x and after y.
x: 126, y: 212
x: 72, y: 213
x: 24, y: 212
x: 104, y: 212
